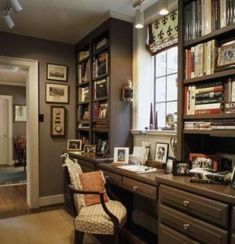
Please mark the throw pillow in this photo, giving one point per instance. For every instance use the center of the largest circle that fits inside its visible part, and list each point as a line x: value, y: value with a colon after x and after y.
x: 93, y: 181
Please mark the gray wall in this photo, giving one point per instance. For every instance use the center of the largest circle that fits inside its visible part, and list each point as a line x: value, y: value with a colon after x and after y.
x: 50, y: 170
x: 18, y: 94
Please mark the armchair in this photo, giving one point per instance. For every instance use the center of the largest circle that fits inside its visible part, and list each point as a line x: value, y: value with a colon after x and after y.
x: 104, y: 218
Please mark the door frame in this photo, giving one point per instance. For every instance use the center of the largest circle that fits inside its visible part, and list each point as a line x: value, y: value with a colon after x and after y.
x: 32, y: 128
x: 10, y: 127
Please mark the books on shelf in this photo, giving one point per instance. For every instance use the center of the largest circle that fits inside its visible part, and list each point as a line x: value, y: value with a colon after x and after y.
x: 100, y: 110
x: 83, y: 55
x: 84, y: 125
x: 100, y: 88
x: 83, y: 94
x: 83, y: 112
x: 84, y: 71
x: 100, y: 64
x: 205, y: 16
x: 200, y: 59
x: 204, y: 99
x: 102, y: 43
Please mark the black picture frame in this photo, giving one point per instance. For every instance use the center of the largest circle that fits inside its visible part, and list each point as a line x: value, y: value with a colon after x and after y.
x: 57, y: 72
x: 161, y: 152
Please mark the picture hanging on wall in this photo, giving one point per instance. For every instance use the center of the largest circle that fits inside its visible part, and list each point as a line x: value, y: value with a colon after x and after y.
x: 57, y: 72
x: 57, y: 93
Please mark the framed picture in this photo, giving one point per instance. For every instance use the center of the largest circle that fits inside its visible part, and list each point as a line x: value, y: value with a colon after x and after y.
x: 121, y: 155
x: 181, y: 168
x: 161, y: 152
x: 226, y: 161
x: 57, y: 72
x: 103, y: 111
x: 204, y: 161
x: 58, y: 121
x: 74, y: 145
x: 226, y: 54
x: 89, y: 148
x: 57, y: 93
x: 19, y: 113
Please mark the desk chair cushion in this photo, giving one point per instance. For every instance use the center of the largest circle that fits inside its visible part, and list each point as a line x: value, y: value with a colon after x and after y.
x: 94, y: 220
x: 93, y: 181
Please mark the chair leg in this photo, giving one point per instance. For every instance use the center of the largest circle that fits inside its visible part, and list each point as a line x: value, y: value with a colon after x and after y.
x: 116, y: 235
x: 78, y: 237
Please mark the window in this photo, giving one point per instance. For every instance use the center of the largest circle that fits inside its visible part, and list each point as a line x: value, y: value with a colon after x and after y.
x: 165, y: 87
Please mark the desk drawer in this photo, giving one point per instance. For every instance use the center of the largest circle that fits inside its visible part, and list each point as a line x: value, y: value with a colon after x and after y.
x: 192, y: 227
x: 114, y: 178
x: 140, y: 188
x: 168, y: 235
x: 233, y: 220
x: 204, y: 208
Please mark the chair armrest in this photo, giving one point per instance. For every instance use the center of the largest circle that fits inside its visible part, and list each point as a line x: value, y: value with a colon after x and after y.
x: 108, y: 188
x: 113, y: 218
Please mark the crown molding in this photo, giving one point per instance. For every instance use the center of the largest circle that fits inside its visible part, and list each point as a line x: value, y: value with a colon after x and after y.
x: 9, y: 83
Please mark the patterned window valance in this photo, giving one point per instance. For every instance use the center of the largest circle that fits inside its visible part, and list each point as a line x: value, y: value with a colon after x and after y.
x: 163, y: 33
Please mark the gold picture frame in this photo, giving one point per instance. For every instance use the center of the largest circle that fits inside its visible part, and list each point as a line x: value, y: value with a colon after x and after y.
x: 226, y: 54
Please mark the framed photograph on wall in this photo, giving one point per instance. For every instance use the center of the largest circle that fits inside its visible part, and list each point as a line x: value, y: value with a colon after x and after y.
x: 57, y: 72
x: 57, y: 93
x: 58, y: 121
x: 121, y: 155
x: 74, y: 145
x: 161, y: 152
x: 19, y: 113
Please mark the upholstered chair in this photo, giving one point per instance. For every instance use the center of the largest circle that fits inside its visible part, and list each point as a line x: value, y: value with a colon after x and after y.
x: 95, y: 211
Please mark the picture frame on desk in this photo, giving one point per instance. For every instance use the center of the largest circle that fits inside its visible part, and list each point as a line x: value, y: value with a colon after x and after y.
x: 74, y: 145
x: 57, y: 72
x: 181, y: 168
x: 161, y: 152
x: 226, y: 55
x: 89, y: 148
x: 121, y: 155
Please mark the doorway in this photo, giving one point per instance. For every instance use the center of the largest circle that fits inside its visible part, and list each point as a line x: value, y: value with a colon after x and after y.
x: 32, y: 154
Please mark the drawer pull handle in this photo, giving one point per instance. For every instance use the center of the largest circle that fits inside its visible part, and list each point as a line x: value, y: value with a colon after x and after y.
x: 135, y: 188
x: 186, y: 203
x: 186, y: 226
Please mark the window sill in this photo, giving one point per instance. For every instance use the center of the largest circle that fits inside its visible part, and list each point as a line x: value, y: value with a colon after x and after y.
x: 154, y: 132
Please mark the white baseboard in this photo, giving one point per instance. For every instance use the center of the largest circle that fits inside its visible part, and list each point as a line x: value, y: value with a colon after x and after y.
x: 51, y: 200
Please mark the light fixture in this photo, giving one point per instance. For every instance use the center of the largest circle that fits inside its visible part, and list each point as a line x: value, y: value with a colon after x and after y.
x: 12, y: 4
x: 163, y: 7
x: 16, y: 5
x: 8, y: 20
x: 139, y: 18
x: 139, y: 15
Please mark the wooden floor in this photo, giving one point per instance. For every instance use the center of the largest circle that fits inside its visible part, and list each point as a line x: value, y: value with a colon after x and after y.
x: 13, y: 200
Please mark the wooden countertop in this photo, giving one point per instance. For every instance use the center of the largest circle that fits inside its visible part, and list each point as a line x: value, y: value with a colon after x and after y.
x: 218, y: 192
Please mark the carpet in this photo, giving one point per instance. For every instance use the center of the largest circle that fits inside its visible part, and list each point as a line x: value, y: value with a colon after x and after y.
x: 12, y: 175
x: 49, y: 227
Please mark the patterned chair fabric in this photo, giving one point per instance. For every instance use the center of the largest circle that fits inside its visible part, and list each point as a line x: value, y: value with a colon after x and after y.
x: 93, y: 219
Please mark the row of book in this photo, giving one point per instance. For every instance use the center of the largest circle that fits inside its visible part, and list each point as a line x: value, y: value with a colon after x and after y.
x: 100, y: 110
x: 100, y: 64
x: 205, y: 16
x: 204, y: 98
x: 200, y: 59
x: 226, y: 124
x: 100, y: 88
x: 84, y: 71
x: 83, y: 94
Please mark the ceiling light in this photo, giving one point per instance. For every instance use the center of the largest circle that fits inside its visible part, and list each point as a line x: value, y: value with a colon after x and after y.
x: 16, y: 5
x: 8, y: 20
x: 139, y: 18
x: 164, y: 7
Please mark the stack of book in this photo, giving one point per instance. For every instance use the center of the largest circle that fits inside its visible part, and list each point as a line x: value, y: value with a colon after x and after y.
x: 200, y: 99
x: 83, y: 55
x: 197, y: 125
x: 226, y: 124
x: 200, y: 60
x: 103, y: 42
x: 229, y: 106
x: 205, y: 16
x: 100, y: 65
x: 100, y: 88
x: 84, y: 125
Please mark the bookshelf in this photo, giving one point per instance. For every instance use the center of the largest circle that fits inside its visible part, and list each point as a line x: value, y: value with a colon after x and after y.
x: 101, y: 75
x: 199, y: 68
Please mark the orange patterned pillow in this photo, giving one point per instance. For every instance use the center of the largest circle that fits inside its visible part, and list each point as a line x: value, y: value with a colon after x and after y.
x: 93, y: 181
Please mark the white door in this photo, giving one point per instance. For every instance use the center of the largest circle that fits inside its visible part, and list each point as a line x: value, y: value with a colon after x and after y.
x: 4, y: 133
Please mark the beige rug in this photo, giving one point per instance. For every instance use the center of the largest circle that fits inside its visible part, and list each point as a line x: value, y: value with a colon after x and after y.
x: 49, y: 227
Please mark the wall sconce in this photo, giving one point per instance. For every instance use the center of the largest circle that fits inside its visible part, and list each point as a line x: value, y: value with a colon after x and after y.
x: 163, y: 7
x: 139, y: 15
x: 127, y: 92
x: 8, y: 20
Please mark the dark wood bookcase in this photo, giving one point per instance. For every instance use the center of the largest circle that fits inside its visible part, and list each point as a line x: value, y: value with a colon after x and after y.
x: 202, y: 141
x: 102, y: 117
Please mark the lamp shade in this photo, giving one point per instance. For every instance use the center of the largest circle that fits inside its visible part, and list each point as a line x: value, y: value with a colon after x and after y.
x: 16, y: 5
x: 8, y: 20
x: 139, y: 19
x: 163, y: 7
